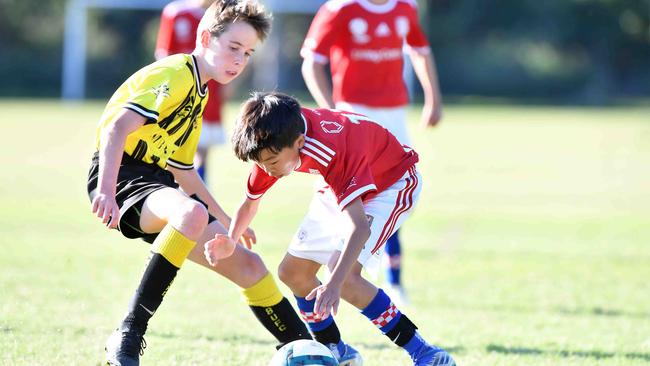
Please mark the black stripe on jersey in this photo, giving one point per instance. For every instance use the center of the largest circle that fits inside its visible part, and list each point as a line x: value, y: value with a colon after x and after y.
x: 140, y: 150
x: 178, y: 165
x: 151, y: 115
x: 165, y: 122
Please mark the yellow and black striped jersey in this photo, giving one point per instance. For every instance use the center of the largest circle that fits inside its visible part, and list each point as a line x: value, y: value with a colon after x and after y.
x: 169, y: 93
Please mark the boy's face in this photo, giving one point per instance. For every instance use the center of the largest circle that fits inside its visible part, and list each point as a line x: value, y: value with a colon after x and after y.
x: 284, y: 162
x: 228, y: 54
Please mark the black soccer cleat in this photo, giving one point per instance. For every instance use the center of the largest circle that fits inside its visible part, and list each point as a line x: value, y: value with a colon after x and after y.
x: 124, y: 348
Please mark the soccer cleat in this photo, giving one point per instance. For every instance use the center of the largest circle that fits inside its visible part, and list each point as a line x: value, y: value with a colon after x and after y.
x: 433, y: 356
x: 350, y: 357
x: 124, y: 348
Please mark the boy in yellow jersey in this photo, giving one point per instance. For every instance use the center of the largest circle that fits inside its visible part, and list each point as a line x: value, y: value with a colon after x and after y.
x: 142, y: 181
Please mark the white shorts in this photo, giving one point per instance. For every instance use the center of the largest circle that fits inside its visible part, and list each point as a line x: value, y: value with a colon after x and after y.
x: 317, y: 237
x: 212, y: 134
x: 393, y: 119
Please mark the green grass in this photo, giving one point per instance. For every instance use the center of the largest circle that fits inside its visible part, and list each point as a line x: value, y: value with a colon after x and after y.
x: 529, y: 245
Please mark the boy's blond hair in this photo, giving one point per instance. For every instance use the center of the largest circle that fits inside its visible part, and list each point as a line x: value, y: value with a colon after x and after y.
x: 225, y: 12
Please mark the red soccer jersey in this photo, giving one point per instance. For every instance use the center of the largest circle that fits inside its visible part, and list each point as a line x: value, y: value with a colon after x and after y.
x: 355, y: 156
x: 364, y: 45
x: 178, y: 24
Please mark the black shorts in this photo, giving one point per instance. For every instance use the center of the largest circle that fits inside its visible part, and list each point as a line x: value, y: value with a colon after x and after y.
x: 136, y: 180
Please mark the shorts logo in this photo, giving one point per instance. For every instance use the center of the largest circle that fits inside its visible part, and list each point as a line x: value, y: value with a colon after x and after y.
x: 302, y: 235
x: 331, y: 127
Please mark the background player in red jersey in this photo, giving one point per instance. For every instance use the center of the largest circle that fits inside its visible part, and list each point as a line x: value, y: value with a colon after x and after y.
x: 364, y: 43
x: 373, y: 182
x: 177, y: 34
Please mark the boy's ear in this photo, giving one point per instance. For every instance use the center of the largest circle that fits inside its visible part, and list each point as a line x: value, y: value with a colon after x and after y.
x: 205, y: 38
x: 300, y: 141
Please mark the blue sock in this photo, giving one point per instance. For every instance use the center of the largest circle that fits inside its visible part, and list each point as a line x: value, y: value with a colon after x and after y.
x: 382, y: 312
x: 324, y: 330
x: 201, y: 171
x: 394, y: 251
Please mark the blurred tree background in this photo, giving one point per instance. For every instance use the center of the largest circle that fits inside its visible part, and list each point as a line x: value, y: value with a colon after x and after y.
x: 555, y: 51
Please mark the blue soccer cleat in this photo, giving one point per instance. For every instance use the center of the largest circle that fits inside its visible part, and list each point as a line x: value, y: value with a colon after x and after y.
x: 433, y: 356
x: 350, y: 357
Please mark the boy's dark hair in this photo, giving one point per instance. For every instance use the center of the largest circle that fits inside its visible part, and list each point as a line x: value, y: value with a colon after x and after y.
x: 225, y: 12
x: 267, y: 121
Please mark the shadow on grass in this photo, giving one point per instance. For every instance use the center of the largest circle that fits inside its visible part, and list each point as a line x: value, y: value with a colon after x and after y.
x: 565, y: 353
x: 214, y: 338
x: 388, y: 345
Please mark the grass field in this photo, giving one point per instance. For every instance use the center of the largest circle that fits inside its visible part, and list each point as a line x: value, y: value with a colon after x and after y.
x: 529, y: 245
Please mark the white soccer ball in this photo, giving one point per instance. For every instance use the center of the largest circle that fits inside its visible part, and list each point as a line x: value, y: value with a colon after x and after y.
x: 303, y: 352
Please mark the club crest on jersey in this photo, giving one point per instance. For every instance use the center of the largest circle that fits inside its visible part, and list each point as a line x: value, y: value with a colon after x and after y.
x: 359, y: 29
x: 161, y: 91
x: 331, y: 127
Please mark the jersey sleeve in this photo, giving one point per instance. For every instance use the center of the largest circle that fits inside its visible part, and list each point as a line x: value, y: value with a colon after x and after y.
x: 416, y: 38
x: 258, y: 183
x: 156, y: 91
x: 353, y: 181
x: 165, y: 40
x: 321, y: 35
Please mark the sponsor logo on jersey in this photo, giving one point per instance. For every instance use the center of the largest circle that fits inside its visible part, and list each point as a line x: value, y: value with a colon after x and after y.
x: 382, y: 30
x: 161, y: 91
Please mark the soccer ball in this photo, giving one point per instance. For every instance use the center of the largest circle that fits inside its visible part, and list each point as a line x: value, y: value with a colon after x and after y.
x: 303, y: 352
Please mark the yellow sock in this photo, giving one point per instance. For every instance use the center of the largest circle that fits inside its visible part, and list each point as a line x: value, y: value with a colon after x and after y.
x: 264, y: 293
x: 173, y: 245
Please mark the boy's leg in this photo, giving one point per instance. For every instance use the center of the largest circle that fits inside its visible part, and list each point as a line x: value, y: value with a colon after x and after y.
x: 299, y: 275
x: 394, y: 270
x: 247, y: 270
x: 387, y: 211
x: 377, y: 306
x: 180, y: 221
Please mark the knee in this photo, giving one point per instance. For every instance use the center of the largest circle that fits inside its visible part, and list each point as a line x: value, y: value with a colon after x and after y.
x: 290, y: 276
x: 253, y: 266
x: 192, y: 218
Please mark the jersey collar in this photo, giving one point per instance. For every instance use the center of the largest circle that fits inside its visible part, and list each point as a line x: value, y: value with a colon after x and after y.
x: 374, y: 8
x: 197, y: 78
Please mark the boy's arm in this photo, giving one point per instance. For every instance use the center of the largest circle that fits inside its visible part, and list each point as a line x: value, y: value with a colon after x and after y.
x: 222, y: 246
x: 315, y: 77
x: 243, y: 218
x: 111, y: 147
x: 425, y: 69
x: 328, y: 294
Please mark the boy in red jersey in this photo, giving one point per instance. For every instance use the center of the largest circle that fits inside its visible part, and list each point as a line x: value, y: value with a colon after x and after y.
x: 364, y: 41
x: 177, y: 34
x: 375, y: 184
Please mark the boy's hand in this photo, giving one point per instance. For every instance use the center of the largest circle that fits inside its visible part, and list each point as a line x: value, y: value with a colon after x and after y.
x: 327, y: 296
x: 248, y: 238
x: 431, y: 115
x: 105, y: 207
x: 222, y: 246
